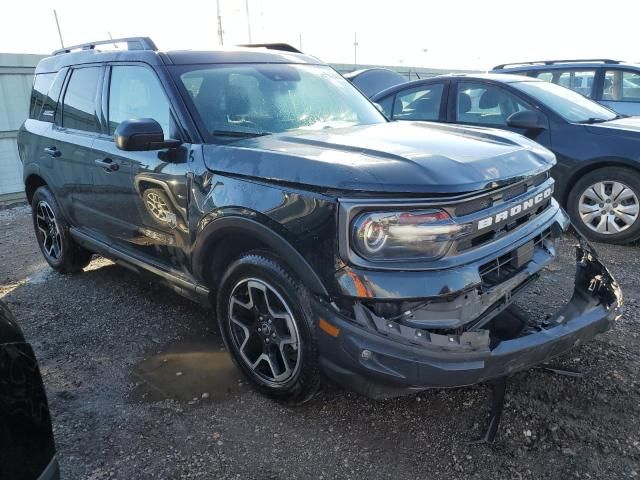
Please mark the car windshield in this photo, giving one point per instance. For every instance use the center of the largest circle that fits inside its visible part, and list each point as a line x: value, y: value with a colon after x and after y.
x: 244, y: 100
x: 570, y: 105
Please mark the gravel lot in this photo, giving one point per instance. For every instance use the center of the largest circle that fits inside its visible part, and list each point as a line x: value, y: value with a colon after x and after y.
x: 139, y: 387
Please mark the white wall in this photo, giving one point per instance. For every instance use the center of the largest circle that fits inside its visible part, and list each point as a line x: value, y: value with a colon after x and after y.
x: 16, y: 74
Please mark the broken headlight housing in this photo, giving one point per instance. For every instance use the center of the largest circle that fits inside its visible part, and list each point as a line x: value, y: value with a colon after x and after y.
x: 404, y: 235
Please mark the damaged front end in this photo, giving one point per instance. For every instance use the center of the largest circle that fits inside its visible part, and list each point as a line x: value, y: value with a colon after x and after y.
x: 391, y: 341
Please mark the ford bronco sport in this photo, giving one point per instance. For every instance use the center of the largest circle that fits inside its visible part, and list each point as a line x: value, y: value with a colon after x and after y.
x: 327, y: 239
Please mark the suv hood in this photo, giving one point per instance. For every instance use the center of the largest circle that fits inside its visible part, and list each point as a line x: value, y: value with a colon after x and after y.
x: 395, y: 157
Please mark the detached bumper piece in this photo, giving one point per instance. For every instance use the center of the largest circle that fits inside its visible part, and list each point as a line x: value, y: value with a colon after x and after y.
x: 381, y: 357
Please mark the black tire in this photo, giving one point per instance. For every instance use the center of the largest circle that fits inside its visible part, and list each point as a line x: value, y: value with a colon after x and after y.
x: 290, y: 296
x: 67, y: 256
x: 630, y: 230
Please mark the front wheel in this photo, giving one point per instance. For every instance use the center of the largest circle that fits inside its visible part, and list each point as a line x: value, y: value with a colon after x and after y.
x: 267, y: 326
x: 604, y: 205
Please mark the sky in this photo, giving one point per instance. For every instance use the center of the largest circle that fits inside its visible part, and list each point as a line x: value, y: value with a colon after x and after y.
x: 456, y: 34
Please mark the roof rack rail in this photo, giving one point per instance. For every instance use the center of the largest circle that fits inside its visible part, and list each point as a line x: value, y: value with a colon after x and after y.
x: 285, y: 47
x: 551, y: 62
x: 133, y: 43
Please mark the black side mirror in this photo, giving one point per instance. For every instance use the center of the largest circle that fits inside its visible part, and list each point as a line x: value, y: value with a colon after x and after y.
x: 527, y: 119
x: 142, y: 134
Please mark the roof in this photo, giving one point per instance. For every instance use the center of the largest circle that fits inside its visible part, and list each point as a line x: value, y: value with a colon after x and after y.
x: 563, y: 64
x: 180, y: 57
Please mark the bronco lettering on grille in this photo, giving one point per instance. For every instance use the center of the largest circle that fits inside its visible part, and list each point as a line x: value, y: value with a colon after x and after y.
x: 515, y: 210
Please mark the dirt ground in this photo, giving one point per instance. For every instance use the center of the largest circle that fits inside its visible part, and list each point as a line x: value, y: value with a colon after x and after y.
x: 140, y: 388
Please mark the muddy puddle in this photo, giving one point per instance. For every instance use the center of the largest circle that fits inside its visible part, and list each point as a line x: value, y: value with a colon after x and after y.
x: 193, y: 371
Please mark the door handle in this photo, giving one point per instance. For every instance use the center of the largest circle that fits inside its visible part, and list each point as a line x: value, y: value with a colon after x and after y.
x: 108, y: 164
x: 52, y: 151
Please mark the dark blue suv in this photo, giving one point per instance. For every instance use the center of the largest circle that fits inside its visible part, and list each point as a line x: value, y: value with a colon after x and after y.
x: 328, y: 239
x: 612, y: 83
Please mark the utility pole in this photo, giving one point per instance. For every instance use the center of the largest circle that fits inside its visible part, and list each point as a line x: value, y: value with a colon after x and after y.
x: 246, y: 4
x: 355, y: 49
x: 220, y: 37
x: 300, y: 40
x: 55, y: 14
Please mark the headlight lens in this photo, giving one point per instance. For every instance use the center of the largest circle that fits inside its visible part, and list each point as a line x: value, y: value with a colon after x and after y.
x: 404, y: 235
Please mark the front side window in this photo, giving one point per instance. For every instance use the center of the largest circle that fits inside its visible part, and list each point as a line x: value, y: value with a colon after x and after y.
x: 621, y: 86
x: 486, y: 104
x: 136, y: 92
x: 272, y: 98
x: 421, y: 103
x: 570, y: 105
x: 79, y: 105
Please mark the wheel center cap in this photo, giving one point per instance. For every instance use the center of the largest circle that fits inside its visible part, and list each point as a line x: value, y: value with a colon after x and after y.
x: 266, y: 329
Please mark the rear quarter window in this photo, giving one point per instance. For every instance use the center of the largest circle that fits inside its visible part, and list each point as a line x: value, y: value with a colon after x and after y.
x: 41, y: 85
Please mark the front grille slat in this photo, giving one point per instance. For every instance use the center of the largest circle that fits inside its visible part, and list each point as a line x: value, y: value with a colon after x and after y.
x: 502, y: 269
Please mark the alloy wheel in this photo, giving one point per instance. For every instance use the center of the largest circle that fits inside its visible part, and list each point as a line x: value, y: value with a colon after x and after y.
x: 157, y: 206
x: 264, y: 331
x: 608, y: 207
x: 49, y: 231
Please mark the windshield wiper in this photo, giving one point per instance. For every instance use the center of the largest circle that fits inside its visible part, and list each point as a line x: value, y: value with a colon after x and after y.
x: 594, y: 120
x: 238, y: 133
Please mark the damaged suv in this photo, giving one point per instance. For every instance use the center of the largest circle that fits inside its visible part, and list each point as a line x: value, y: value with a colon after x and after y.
x: 328, y: 240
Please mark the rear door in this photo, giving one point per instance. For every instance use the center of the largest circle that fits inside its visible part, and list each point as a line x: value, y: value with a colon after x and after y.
x: 76, y: 128
x: 425, y: 102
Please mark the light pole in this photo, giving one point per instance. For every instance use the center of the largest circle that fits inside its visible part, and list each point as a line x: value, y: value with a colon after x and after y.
x: 246, y: 4
x: 220, y: 38
x: 355, y: 49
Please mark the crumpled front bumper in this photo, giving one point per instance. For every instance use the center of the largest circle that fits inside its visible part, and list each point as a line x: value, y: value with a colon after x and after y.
x: 379, y: 365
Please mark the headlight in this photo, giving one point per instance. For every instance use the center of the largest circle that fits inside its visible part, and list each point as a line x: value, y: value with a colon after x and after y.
x: 404, y: 235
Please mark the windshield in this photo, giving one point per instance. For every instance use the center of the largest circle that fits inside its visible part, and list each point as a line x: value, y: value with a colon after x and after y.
x: 570, y: 105
x: 245, y: 100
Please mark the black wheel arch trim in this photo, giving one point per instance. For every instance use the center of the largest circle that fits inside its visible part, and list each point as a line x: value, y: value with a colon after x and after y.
x: 281, y: 246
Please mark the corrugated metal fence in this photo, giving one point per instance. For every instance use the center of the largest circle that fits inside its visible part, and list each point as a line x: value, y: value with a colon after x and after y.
x: 16, y: 75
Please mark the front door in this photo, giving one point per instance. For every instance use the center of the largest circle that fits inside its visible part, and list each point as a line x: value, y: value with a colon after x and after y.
x: 487, y: 104
x: 143, y: 194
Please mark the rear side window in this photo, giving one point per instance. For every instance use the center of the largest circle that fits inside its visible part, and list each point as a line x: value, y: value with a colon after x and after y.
x: 546, y: 76
x: 79, y: 106
x: 422, y: 103
x: 41, y: 85
x: 621, y: 86
x: 580, y: 81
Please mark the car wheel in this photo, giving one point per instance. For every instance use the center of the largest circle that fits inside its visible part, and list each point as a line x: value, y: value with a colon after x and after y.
x: 158, y: 205
x: 60, y: 251
x: 267, y: 326
x: 604, y: 205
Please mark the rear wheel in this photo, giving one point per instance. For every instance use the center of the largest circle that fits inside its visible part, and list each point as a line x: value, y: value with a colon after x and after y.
x: 60, y: 251
x: 266, y: 323
x: 604, y: 205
